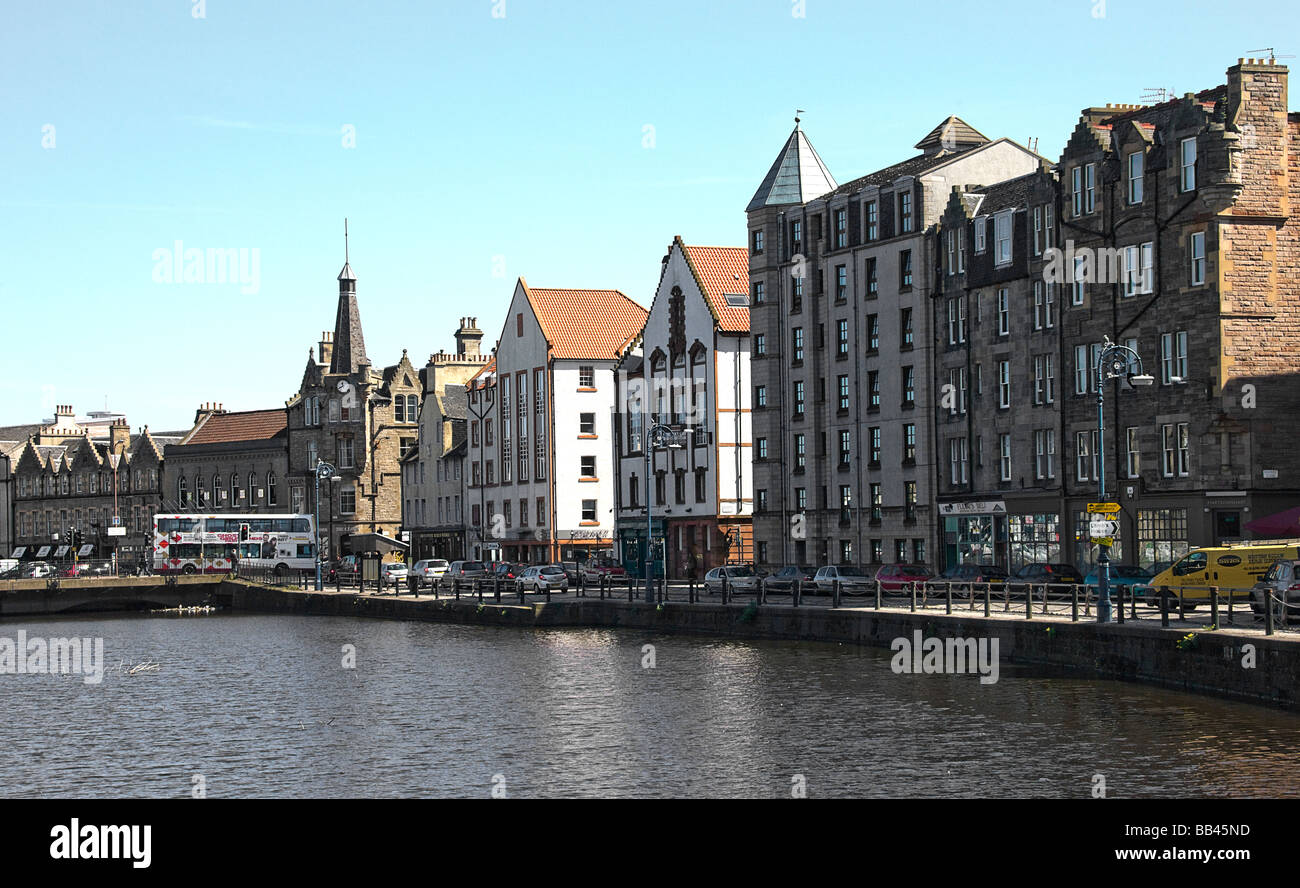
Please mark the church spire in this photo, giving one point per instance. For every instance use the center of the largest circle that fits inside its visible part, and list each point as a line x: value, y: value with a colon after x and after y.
x: 349, y: 348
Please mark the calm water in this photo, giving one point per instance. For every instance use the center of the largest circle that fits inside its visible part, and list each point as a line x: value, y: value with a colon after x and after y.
x: 261, y: 706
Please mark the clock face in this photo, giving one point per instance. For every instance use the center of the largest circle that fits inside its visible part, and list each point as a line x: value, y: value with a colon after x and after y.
x: 343, y: 385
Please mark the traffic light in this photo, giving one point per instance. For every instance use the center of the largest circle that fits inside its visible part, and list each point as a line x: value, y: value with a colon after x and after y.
x: 243, y: 533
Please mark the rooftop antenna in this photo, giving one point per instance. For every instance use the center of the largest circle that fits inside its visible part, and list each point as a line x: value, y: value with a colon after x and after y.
x: 1033, y: 144
x: 1157, y: 94
x: 1272, y: 57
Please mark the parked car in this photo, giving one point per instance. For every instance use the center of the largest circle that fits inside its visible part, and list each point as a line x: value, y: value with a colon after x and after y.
x: 1282, y: 581
x: 900, y: 577
x: 1041, y: 572
x: 393, y: 572
x: 594, y: 570
x: 36, y: 570
x: 850, y: 578
x: 740, y: 578
x: 783, y: 579
x: 465, y: 570
x: 571, y: 570
x: 508, y: 570
x: 1136, y: 581
x: 344, y: 570
x: 543, y: 577
x: 428, y: 570
x: 965, y: 577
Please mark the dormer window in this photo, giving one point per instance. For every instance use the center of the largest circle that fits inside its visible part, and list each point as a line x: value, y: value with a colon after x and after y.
x: 905, y: 211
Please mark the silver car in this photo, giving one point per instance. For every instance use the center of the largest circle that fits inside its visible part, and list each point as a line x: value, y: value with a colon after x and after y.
x: 542, y: 578
x: 740, y: 578
x: 851, y: 579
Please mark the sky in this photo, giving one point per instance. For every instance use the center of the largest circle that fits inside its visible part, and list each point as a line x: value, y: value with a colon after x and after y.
x: 469, y: 142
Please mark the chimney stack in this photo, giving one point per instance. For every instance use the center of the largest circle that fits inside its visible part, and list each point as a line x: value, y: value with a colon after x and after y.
x: 119, y: 436
x: 326, y: 347
x: 468, y: 337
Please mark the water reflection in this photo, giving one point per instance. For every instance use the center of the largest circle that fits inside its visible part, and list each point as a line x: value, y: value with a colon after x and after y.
x: 261, y: 706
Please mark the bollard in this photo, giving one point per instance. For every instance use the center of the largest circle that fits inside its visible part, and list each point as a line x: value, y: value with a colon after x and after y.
x: 724, y: 587
x: 1029, y: 601
x: 835, y: 593
x: 1214, y: 607
x: 949, y: 598
x: 877, y: 582
x: 519, y: 590
x: 1182, y: 605
x: 1231, y: 598
x: 1074, y: 603
x: 988, y: 597
x: 795, y: 589
x: 1268, y: 612
x: 455, y: 588
x: 1119, y: 602
x: 548, y: 590
x: 478, y: 590
x: 631, y: 587
x: 913, y: 585
x: 758, y: 589
x: 496, y: 589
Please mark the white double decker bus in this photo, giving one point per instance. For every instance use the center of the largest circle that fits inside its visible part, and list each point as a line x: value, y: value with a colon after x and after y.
x: 195, y: 543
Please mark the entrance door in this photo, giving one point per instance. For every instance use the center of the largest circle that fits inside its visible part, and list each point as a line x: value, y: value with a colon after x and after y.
x: 1227, y: 525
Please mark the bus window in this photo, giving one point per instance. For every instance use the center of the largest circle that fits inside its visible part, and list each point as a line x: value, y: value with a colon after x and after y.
x: 250, y: 550
x: 302, y: 525
x: 305, y: 551
x: 185, y: 550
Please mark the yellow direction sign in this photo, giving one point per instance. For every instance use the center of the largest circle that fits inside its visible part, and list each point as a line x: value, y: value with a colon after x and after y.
x: 1104, y: 541
x: 1103, y: 508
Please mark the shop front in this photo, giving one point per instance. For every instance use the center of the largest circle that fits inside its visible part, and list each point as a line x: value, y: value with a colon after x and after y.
x: 630, y: 537
x: 974, y: 532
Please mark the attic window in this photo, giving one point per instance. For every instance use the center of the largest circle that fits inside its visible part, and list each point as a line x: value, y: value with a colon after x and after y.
x: 737, y: 299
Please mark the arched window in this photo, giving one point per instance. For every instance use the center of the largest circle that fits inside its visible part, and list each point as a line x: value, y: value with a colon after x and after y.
x: 234, y: 488
x: 218, y: 492
x: 252, y: 488
x: 270, y: 489
x: 182, y: 491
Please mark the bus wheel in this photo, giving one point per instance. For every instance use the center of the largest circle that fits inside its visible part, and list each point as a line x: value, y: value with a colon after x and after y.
x: 281, y: 570
x: 188, y: 569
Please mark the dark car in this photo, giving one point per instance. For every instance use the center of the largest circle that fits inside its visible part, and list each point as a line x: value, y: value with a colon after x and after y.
x: 900, y: 577
x: 1042, y: 572
x: 1133, y: 579
x: 508, y: 570
x: 464, y: 570
x: 783, y: 579
x: 965, y: 577
x: 571, y: 571
x: 1281, y: 585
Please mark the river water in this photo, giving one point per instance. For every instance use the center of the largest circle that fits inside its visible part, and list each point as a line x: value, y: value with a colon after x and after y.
x: 263, y: 706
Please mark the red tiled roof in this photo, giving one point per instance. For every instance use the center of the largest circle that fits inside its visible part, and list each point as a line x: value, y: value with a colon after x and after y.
x: 480, y: 379
x: 585, y: 323
x: 251, y: 425
x: 719, y: 271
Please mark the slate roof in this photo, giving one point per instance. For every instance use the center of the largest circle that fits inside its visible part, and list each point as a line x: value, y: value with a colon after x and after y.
x: 952, y: 133
x: 720, y: 271
x: 796, y: 176
x: 585, y: 323
x: 913, y: 166
x: 249, y: 425
x: 1011, y: 194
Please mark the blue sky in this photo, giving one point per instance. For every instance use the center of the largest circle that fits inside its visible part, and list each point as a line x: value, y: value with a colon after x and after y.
x: 476, y: 137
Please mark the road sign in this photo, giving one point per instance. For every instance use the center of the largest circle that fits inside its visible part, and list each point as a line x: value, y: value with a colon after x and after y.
x: 116, y: 531
x: 1103, y: 527
x: 1104, y: 541
x: 1103, y: 508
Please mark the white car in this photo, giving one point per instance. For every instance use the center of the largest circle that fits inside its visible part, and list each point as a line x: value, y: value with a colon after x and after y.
x: 394, y: 572
x: 540, y: 578
x: 430, y: 570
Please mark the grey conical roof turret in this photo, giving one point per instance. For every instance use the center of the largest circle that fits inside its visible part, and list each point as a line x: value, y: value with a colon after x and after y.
x: 797, y: 176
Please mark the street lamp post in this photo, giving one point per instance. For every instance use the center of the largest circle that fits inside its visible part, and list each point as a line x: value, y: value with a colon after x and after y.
x: 658, y: 437
x: 1115, y: 361
x: 322, y: 470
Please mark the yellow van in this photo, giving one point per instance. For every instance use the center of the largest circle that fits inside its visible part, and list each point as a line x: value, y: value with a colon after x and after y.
x: 1236, y: 567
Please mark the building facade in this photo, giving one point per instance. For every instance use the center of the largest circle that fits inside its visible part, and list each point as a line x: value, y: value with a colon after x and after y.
x: 541, y: 485
x: 1177, y: 219
x: 361, y: 421
x: 69, y: 485
x: 841, y: 283
x: 433, y: 513
x: 230, y: 462
x: 690, y: 370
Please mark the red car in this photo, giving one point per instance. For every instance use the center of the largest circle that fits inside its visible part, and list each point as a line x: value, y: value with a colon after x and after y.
x: 899, y: 577
x: 593, y: 571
